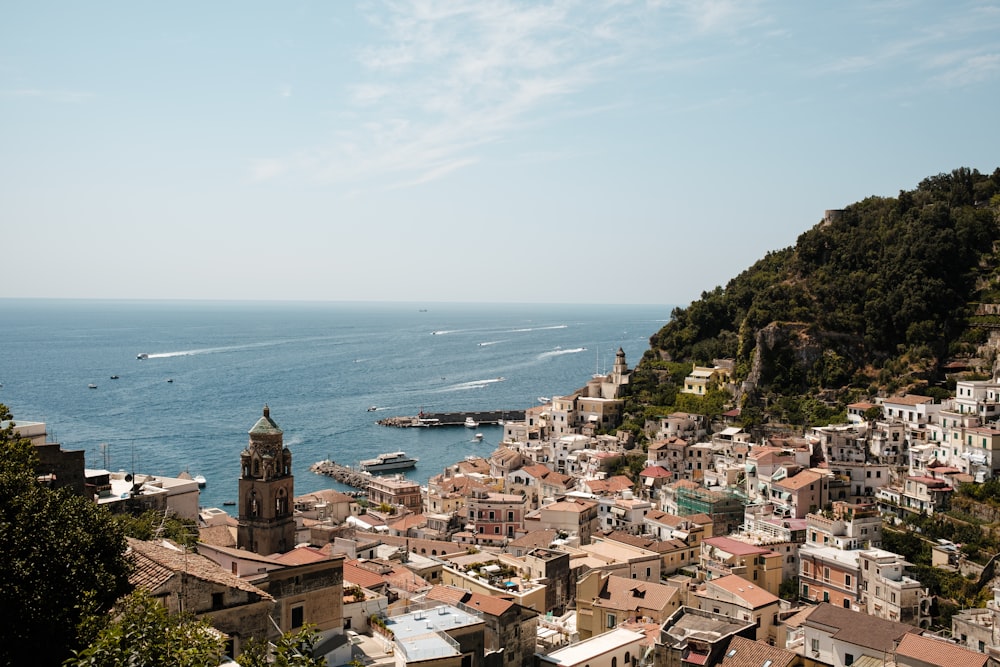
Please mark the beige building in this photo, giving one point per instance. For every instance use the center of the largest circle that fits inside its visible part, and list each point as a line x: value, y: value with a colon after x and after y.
x: 573, y: 516
x: 186, y: 581
x: 395, y: 491
x: 737, y: 598
x: 604, y: 600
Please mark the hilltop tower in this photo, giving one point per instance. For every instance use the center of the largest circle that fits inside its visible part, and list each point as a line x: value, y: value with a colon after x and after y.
x: 266, y: 489
x: 620, y: 371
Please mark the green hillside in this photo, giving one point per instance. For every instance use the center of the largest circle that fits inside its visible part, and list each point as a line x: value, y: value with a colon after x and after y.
x: 875, y: 298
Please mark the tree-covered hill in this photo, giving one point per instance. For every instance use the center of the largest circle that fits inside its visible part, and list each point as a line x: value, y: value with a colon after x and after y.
x: 876, y: 297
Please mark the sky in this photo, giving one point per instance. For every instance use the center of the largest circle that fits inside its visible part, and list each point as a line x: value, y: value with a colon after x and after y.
x: 600, y: 151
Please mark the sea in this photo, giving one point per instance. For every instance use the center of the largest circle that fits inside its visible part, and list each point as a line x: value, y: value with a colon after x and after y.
x: 319, y: 367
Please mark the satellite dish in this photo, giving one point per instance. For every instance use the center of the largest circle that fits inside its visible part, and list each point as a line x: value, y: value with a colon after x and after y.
x: 128, y: 477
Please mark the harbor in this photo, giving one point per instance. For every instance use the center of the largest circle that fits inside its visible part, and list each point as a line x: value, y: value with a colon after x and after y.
x: 431, y: 419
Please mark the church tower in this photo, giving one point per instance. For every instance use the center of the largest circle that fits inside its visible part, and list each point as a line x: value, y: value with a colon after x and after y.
x: 266, y: 524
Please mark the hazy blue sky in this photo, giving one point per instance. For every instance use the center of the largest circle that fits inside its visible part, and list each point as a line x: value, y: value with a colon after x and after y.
x: 591, y: 151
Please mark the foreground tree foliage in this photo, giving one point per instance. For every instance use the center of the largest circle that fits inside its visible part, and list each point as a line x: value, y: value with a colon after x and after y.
x: 292, y: 649
x: 64, y: 559
x: 141, y: 633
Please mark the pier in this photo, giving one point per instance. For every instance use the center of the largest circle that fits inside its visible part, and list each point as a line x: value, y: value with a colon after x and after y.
x: 342, y: 474
x: 430, y: 419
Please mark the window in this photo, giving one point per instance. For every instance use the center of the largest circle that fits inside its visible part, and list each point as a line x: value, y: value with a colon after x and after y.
x: 815, y: 645
x: 848, y: 659
x: 611, y: 620
x: 297, y: 616
x: 847, y: 580
x: 510, y: 516
x: 217, y: 600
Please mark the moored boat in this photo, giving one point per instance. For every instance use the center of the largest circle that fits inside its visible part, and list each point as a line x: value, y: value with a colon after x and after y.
x: 388, y: 461
x: 471, y: 423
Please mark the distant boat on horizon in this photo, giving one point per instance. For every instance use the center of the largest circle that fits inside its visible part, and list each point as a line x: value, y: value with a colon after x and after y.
x: 142, y: 355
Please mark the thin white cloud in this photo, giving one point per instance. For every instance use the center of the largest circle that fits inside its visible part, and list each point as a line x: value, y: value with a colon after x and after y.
x: 445, y: 78
x: 61, y: 96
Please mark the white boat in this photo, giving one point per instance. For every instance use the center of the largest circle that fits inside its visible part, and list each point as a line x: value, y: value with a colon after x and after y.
x: 478, y: 436
x: 200, y: 479
x: 142, y: 355
x: 388, y: 461
x: 544, y: 399
x: 471, y: 423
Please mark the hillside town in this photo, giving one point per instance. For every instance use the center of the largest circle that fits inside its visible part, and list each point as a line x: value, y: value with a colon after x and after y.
x: 573, y: 545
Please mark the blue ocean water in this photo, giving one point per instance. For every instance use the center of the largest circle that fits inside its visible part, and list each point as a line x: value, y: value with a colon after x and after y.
x: 318, y: 366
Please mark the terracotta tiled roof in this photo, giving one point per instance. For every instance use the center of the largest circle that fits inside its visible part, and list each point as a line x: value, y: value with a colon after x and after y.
x: 362, y: 577
x: 155, y: 564
x: 409, y: 521
x: 324, y: 495
x: 734, y: 547
x: 534, y: 538
x: 610, y: 485
x: 909, y: 399
x: 301, y: 556
x: 488, y: 604
x: 754, y: 596
x: 858, y: 628
x: 655, y: 472
x: 632, y: 595
x: 745, y: 652
x: 799, y: 480
x: 936, y: 652
x: 219, y: 536
x: 447, y: 594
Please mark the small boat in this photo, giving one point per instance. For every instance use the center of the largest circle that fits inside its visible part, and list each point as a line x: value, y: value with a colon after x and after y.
x: 544, y: 399
x: 201, y: 481
x: 229, y: 503
x: 372, y: 408
x: 142, y: 355
x: 114, y: 377
x: 388, y: 461
x: 91, y: 386
x: 471, y: 423
x: 478, y: 437
x: 170, y: 379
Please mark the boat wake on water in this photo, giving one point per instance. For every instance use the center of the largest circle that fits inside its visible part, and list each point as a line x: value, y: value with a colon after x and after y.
x: 556, y: 353
x: 557, y: 326
x: 474, y: 384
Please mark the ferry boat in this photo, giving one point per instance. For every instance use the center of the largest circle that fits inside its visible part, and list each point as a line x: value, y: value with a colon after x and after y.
x: 388, y: 461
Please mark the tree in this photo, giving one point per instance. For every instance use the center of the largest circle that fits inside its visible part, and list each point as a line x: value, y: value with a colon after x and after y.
x: 289, y: 650
x: 141, y: 632
x: 64, y: 558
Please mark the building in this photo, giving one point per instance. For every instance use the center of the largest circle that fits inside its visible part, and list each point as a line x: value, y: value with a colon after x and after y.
x: 695, y: 637
x: 605, y: 600
x: 841, y: 637
x: 758, y: 565
x: 510, y: 629
x: 395, y: 491
x: 441, y: 635
x: 56, y: 466
x: 266, y: 490
x: 888, y: 592
x: 617, y: 648
x: 495, y: 518
x: 743, y: 652
x: 920, y: 651
x: 188, y: 582
x: 737, y: 598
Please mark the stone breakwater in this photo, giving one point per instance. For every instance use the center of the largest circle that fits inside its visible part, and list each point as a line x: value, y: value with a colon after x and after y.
x: 343, y: 474
x: 428, y: 419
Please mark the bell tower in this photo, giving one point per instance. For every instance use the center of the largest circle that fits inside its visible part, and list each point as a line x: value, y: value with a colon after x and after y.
x: 266, y: 488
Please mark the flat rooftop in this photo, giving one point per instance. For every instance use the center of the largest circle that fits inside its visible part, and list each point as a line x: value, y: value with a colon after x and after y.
x: 420, y: 634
